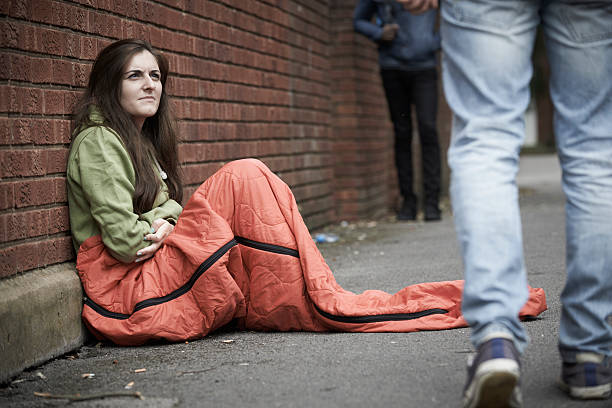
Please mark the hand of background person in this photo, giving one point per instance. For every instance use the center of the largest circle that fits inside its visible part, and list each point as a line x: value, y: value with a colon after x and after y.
x: 161, y: 229
x: 418, y: 6
x: 388, y: 32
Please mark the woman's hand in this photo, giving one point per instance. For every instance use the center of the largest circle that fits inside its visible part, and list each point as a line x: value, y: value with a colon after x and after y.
x: 160, y: 229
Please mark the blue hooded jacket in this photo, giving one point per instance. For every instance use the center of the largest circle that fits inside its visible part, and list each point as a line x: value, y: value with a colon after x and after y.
x: 416, y: 42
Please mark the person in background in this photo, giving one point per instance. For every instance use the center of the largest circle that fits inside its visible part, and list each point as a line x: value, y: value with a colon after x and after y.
x: 407, y: 47
x: 487, y: 68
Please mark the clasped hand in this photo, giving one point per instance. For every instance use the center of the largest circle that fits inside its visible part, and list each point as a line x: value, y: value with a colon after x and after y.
x: 160, y: 229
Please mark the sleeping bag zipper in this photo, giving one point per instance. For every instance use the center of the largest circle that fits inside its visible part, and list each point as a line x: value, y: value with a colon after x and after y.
x: 172, y: 295
x: 342, y: 319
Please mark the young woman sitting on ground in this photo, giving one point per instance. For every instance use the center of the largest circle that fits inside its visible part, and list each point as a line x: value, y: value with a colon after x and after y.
x: 238, y: 251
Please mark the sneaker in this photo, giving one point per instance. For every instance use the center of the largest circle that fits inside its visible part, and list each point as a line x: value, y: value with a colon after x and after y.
x: 493, y: 376
x: 407, y: 212
x: 432, y: 213
x: 587, y: 378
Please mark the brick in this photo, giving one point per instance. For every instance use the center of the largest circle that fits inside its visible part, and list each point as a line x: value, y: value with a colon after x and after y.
x: 9, y: 101
x: 70, y: 99
x: 41, y: 131
x: 54, y: 102
x: 27, y: 225
x: 60, y: 190
x: 22, y: 163
x: 51, y: 41
x: 31, y: 100
x: 42, y: 11
x: 61, y: 130
x: 198, y: 173
x: 5, y: 65
x: 6, y: 135
x: 61, y: 71
x: 105, y: 24
x: 35, y: 223
x: 42, y: 71
x: 8, y: 263
x: 73, y: 45
x: 56, y: 160
x: 88, y: 48
x: 20, y: 68
x: 75, y: 18
x: 19, y: 9
x: 59, y: 220
x: 20, y: 130
x: 27, y: 256
x: 39, y: 191
x: 80, y: 75
x: 57, y: 250
x: 4, y: 219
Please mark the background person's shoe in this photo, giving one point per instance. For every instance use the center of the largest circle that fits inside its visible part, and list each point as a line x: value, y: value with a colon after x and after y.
x: 493, y: 376
x: 587, y: 378
x: 432, y: 213
x: 407, y: 212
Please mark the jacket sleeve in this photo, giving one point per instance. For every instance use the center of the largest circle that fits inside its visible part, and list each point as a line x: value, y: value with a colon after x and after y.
x: 107, y: 179
x: 362, y: 17
x: 169, y: 211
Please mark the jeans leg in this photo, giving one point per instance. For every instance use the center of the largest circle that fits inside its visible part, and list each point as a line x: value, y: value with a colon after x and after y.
x: 398, y: 99
x: 425, y: 97
x: 487, y: 48
x: 579, y: 46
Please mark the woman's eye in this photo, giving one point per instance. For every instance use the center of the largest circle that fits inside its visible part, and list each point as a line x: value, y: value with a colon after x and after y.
x: 134, y: 75
x: 155, y: 75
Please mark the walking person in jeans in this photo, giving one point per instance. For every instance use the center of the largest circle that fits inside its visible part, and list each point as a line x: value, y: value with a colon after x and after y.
x: 407, y: 46
x: 487, y: 68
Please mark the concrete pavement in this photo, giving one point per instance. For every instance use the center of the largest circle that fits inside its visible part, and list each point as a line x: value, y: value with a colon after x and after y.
x: 425, y: 369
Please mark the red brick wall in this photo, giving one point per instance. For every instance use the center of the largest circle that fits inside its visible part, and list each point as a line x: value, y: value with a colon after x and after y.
x: 286, y: 82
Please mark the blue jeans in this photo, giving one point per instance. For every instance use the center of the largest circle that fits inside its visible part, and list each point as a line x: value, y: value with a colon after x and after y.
x: 487, y: 47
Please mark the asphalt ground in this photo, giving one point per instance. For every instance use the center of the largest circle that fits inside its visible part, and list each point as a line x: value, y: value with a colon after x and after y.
x: 254, y: 369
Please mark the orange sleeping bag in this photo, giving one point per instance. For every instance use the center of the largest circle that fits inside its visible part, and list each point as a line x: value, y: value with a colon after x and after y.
x: 241, y: 251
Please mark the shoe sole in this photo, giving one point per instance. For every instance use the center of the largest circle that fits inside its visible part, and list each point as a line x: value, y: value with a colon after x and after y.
x: 587, y: 393
x: 493, y: 385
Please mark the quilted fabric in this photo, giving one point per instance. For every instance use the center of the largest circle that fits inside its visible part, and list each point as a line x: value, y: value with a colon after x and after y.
x: 240, y: 251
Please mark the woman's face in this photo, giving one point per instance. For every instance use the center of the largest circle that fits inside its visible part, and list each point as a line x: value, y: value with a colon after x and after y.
x: 141, y: 87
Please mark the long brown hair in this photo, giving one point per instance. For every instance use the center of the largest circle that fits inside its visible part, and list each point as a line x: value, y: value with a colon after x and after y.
x: 158, y: 135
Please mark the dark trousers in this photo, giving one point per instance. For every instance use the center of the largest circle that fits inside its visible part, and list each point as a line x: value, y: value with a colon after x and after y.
x: 419, y: 88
